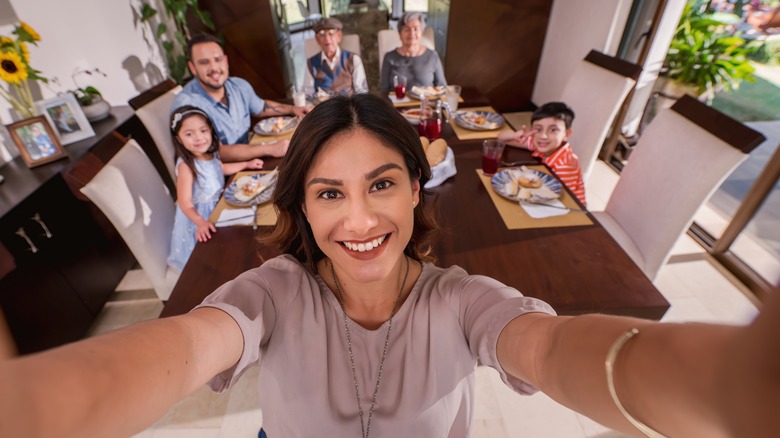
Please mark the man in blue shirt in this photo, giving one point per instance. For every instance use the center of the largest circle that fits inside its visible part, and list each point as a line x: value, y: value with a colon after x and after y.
x: 230, y: 102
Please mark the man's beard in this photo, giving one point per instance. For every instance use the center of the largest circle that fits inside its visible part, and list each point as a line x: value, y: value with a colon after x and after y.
x: 210, y: 85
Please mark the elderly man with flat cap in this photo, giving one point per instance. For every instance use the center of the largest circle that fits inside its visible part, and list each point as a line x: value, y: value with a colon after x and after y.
x: 334, y: 70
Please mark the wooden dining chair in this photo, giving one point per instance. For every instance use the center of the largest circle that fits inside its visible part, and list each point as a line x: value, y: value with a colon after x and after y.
x: 595, y: 91
x: 154, y: 112
x: 389, y: 39
x: 132, y: 195
x: 682, y: 157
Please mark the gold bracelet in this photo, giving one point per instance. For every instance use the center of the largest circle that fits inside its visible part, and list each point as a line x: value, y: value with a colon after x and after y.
x: 612, y: 355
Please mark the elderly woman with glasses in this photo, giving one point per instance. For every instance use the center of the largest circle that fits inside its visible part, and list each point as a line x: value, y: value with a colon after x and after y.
x: 420, y: 65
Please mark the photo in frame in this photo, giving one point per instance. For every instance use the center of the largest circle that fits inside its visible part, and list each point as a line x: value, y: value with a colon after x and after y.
x: 66, y: 117
x: 36, y: 140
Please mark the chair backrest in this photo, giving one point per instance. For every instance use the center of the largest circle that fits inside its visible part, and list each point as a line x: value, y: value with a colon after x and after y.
x: 151, y: 94
x: 682, y: 157
x: 155, y: 116
x: 595, y: 91
x: 133, y: 196
x: 389, y: 39
x: 349, y: 42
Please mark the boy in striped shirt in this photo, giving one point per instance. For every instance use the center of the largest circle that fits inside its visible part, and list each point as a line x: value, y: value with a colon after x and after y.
x: 548, y: 140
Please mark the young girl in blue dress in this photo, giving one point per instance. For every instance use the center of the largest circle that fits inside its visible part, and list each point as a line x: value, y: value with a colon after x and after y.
x: 200, y: 177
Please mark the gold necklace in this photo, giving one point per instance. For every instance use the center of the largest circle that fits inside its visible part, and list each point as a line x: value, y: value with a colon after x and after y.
x: 366, y: 427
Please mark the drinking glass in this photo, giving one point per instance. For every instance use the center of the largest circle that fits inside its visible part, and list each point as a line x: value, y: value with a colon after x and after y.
x: 299, y: 96
x: 430, y: 119
x: 453, y: 94
x: 492, y: 150
x: 399, y: 82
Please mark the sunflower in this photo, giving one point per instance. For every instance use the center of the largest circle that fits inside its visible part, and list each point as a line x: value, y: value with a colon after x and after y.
x: 12, y: 69
x: 5, y: 41
x: 25, y: 52
x: 33, y: 35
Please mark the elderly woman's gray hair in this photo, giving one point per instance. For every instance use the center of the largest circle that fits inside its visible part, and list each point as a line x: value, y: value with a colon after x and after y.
x: 411, y: 16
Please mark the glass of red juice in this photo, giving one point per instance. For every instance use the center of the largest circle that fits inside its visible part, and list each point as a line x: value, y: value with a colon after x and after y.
x: 491, y: 155
x: 399, y: 82
x: 430, y: 127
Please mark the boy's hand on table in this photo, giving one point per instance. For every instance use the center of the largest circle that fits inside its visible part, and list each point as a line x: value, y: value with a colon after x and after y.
x: 516, y: 138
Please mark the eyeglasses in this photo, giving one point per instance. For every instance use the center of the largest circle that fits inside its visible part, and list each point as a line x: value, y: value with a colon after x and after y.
x: 324, y: 32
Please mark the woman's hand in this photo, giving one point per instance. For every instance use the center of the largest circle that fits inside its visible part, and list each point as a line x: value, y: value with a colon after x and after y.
x: 205, y: 228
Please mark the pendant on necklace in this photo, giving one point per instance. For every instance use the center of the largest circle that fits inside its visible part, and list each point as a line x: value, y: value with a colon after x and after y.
x: 365, y: 428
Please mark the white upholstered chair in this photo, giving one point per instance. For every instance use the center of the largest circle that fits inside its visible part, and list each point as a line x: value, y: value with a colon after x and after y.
x: 389, y: 39
x: 595, y: 91
x: 155, y: 115
x: 133, y: 196
x: 680, y: 160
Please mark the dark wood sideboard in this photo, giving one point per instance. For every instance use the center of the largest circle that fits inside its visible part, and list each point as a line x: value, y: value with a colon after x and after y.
x: 55, y: 281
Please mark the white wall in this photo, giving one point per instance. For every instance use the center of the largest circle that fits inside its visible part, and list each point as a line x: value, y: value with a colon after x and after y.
x: 575, y: 28
x: 84, y: 34
x: 90, y: 34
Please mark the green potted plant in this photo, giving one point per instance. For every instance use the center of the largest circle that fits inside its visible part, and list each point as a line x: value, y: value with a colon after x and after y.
x: 89, y: 97
x: 173, y: 39
x: 705, y: 58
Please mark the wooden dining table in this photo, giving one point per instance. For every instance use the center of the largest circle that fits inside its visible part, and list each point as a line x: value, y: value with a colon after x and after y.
x: 576, y: 269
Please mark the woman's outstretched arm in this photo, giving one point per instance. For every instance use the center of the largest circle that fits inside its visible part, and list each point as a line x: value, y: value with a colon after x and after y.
x: 687, y: 380
x: 119, y: 383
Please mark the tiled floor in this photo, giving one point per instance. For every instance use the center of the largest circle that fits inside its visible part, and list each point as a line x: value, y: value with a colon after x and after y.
x: 696, y: 288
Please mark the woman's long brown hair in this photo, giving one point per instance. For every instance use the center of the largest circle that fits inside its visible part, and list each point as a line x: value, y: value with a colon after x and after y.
x: 340, y: 114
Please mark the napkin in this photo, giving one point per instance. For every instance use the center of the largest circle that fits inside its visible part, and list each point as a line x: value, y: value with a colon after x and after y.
x: 397, y: 100
x: 540, y: 211
x: 235, y: 216
x: 442, y: 171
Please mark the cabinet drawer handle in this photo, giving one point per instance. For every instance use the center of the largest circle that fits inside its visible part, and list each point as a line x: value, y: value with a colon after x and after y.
x: 21, y: 233
x: 37, y: 218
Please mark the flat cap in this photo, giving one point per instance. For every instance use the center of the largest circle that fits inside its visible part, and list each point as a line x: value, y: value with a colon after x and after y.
x: 327, y: 23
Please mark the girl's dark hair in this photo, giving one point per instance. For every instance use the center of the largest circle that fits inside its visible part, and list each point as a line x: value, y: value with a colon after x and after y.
x: 178, y: 116
x: 336, y: 115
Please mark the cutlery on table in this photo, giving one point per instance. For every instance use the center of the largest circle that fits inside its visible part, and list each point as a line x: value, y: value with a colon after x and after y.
x: 574, y: 210
x: 515, y: 163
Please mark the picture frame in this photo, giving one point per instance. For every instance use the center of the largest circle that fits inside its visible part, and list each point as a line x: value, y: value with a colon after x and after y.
x: 36, y: 141
x: 67, y: 118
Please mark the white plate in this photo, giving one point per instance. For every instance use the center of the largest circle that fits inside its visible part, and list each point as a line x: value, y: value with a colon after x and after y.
x: 269, y: 126
x: 504, y: 184
x: 470, y: 120
x: 429, y: 92
x: 412, y: 115
x: 267, y: 179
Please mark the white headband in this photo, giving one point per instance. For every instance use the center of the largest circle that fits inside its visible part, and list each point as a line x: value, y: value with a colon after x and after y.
x: 178, y: 116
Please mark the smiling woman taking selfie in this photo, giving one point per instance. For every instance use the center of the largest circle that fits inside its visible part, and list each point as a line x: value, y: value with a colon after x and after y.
x: 358, y: 333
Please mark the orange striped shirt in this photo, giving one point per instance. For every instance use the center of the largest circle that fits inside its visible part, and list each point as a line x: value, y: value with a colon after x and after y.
x: 566, y: 166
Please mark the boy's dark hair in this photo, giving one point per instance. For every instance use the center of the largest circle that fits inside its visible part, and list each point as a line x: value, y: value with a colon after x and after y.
x: 198, y: 39
x: 556, y: 110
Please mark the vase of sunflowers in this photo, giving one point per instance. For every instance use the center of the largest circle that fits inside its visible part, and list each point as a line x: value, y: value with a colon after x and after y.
x: 15, y: 69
